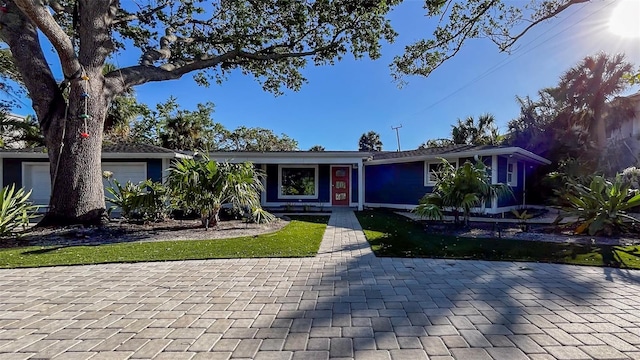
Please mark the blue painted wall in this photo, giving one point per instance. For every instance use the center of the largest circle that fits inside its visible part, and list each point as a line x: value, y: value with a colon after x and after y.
x: 354, y: 185
x: 401, y: 183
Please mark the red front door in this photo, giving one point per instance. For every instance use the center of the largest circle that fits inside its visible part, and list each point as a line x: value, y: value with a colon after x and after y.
x: 340, y: 186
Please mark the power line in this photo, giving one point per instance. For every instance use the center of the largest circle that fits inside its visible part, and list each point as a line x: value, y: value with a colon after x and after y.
x: 509, y: 60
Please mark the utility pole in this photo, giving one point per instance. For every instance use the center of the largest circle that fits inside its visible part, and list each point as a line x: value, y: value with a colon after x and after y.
x: 397, y: 134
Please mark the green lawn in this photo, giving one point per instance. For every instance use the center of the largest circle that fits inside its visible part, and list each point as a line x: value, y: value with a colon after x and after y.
x: 299, y: 238
x: 397, y: 236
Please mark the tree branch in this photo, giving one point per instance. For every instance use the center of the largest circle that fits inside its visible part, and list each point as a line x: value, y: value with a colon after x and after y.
x: 119, y: 81
x: 22, y: 37
x: 41, y: 17
x: 143, y: 15
x: 560, y: 9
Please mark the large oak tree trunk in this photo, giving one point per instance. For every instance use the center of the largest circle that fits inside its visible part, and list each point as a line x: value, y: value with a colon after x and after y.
x: 75, y: 158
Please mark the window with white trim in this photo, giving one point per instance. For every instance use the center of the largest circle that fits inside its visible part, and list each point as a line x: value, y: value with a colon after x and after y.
x: 432, y: 169
x: 512, y: 173
x: 298, y: 181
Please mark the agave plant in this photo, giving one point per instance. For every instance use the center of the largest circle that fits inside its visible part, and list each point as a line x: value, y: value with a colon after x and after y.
x: 600, y: 207
x: 460, y: 189
x: 15, y: 210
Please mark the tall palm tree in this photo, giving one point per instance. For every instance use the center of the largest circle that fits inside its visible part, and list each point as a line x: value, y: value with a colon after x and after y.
x: 585, y: 89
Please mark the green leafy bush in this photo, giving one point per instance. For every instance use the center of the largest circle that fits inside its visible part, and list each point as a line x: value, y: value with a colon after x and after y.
x: 15, y: 210
x: 145, y: 201
x: 599, y: 207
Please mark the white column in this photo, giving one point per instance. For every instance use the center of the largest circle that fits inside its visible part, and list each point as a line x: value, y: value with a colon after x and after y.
x: 524, y: 184
x: 263, y: 195
x: 360, y: 185
x: 494, y: 180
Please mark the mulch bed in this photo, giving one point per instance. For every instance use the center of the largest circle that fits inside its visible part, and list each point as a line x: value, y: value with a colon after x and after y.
x: 118, y: 232
x: 546, y: 233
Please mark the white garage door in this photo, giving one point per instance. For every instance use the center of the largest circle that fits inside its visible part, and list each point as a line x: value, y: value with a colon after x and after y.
x: 36, y: 177
x: 123, y: 172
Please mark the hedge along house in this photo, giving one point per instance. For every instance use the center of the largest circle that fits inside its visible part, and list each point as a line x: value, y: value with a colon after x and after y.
x: 29, y: 168
x: 307, y: 178
x: 400, y: 179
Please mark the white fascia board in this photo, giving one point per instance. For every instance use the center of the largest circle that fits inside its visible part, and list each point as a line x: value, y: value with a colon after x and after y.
x: 31, y: 155
x: 526, y: 155
x: 531, y: 156
x: 319, y: 157
x: 23, y: 155
x: 139, y: 155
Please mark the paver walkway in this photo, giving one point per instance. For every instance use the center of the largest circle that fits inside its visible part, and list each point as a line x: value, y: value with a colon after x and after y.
x: 344, y: 303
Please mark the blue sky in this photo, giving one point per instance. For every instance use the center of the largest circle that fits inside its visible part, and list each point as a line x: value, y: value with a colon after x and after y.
x: 341, y: 102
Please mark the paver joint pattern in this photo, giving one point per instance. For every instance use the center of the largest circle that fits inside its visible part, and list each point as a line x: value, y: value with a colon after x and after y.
x: 344, y: 303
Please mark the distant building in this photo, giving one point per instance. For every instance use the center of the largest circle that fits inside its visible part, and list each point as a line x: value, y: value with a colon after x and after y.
x: 623, y: 133
x: 9, y: 134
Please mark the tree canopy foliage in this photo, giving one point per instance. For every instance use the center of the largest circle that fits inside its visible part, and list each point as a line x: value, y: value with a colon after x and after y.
x: 569, y: 121
x: 470, y: 132
x: 256, y: 139
x: 370, y: 142
x: 175, y: 128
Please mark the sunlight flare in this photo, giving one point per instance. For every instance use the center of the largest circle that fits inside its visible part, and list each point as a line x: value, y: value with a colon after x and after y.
x: 624, y: 19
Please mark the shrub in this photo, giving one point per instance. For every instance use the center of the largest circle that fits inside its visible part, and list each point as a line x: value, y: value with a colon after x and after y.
x: 600, y: 207
x: 15, y: 210
x: 145, y: 201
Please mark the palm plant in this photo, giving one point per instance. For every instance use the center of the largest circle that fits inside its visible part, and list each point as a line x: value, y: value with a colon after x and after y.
x: 472, y: 132
x: 586, y: 88
x: 459, y: 189
x: 204, y: 186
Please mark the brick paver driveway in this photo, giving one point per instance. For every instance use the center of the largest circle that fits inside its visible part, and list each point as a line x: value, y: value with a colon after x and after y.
x: 344, y: 303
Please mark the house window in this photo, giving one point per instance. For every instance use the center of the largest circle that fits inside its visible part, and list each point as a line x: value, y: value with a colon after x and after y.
x: 512, y: 173
x: 432, y: 169
x: 298, y: 182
